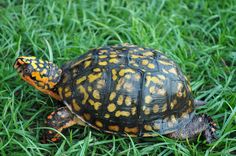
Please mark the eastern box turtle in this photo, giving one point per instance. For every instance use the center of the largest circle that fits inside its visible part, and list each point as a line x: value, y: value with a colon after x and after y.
x: 122, y: 89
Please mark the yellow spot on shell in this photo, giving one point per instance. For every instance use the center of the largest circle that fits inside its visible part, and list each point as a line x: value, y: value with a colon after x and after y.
x: 133, y: 110
x: 83, y: 91
x: 99, y: 124
x: 90, y: 88
x: 173, y: 71
x: 173, y: 119
x: 114, y: 76
x: 147, y: 111
x: 96, y: 69
x: 173, y: 103
x: 144, y: 62
x: 112, y: 96
x: 156, y: 126
x: 151, y: 65
x: 162, y: 77
x: 102, y: 56
x: 128, y: 87
x: 113, y: 55
x: 122, y: 113
x: 152, y: 89
x: 80, y: 80
x: 107, y: 116
x: 60, y: 91
x: 165, y: 63
x: 114, y: 128
x: 114, y: 60
x: 96, y: 94
x: 123, y: 71
x: 103, y: 63
x: 153, y: 79
x: 41, y: 65
x: 87, y: 116
x: 161, y: 92
x: 75, y: 105
x: 120, y: 100
x: 164, y: 107
x: 87, y: 63
x: 148, y: 127
x: 148, y: 53
x: 96, y: 105
x: 93, y: 77
x: 148, y: 99
x: 155, y: 108
x: 100, y: 84
x: 131, y: 130
x: 128, y: 100
x: 111, y: 107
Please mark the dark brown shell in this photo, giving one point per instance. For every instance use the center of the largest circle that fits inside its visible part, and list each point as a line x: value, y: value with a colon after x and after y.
x: 127, y: 89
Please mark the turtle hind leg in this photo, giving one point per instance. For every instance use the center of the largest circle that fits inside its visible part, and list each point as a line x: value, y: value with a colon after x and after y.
x: 59, y: 120
x: 199, y: 124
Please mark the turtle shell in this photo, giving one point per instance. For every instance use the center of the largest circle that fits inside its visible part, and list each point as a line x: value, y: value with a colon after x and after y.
x: 127, y: 89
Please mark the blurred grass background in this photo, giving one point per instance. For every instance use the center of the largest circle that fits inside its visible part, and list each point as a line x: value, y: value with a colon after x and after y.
x: 199, y: 35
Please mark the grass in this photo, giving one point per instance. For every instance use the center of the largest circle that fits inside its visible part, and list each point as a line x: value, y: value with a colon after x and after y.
x: 199, y: 35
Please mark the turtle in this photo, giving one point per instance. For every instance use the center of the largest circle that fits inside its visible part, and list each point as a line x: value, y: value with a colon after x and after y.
x: 121, y: 89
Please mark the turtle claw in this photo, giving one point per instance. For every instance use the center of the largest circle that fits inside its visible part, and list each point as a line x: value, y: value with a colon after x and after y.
x: 210, y: 132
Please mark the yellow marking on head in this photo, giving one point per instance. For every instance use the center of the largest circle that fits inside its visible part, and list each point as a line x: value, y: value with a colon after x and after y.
x: 173, y: 71
x: 148, y: 99
x: 111, y: 107
x: 122, y: 72
x: 131, y: 130
x: 102, y: 56
x: 148, y: 127
x: 120, y: 100
x: 164, y: 107
x: 34, y: 65
x: 103, y: 63
x: 78, y: 81
x: 114, y: 128
x: 128, y: 100
x: 112, y: 96
x: 93, y: 77
x: 44, y: 71
x: 83, y: 91
x: 99, y: 124
x: 144, y: 62
x: 122, y: 113
x: 46, y: 91
x: 75, y: 105
x: 41, y: 65
x: 96, y: 94
x: 87, y: 116
x: 133, y: 110
x: 114, y: 60
x: 165, y: 63
x: 87, y: 63
x: 155, y: 108
x: 107, y: 116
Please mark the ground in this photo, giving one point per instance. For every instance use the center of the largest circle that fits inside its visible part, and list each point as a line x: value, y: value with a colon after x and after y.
x: 199, y: 35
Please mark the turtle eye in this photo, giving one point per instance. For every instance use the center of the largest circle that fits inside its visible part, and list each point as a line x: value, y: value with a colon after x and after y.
x: 27, y: 70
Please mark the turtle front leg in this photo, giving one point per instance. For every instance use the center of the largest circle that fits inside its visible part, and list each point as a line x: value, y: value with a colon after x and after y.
x: 199, y: 124
x: 60, y: 119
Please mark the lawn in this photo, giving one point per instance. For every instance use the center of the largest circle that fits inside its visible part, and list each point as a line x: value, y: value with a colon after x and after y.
x: 199, y: 35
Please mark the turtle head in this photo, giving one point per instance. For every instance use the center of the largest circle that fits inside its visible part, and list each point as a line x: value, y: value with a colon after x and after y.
x: 41, y: 74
